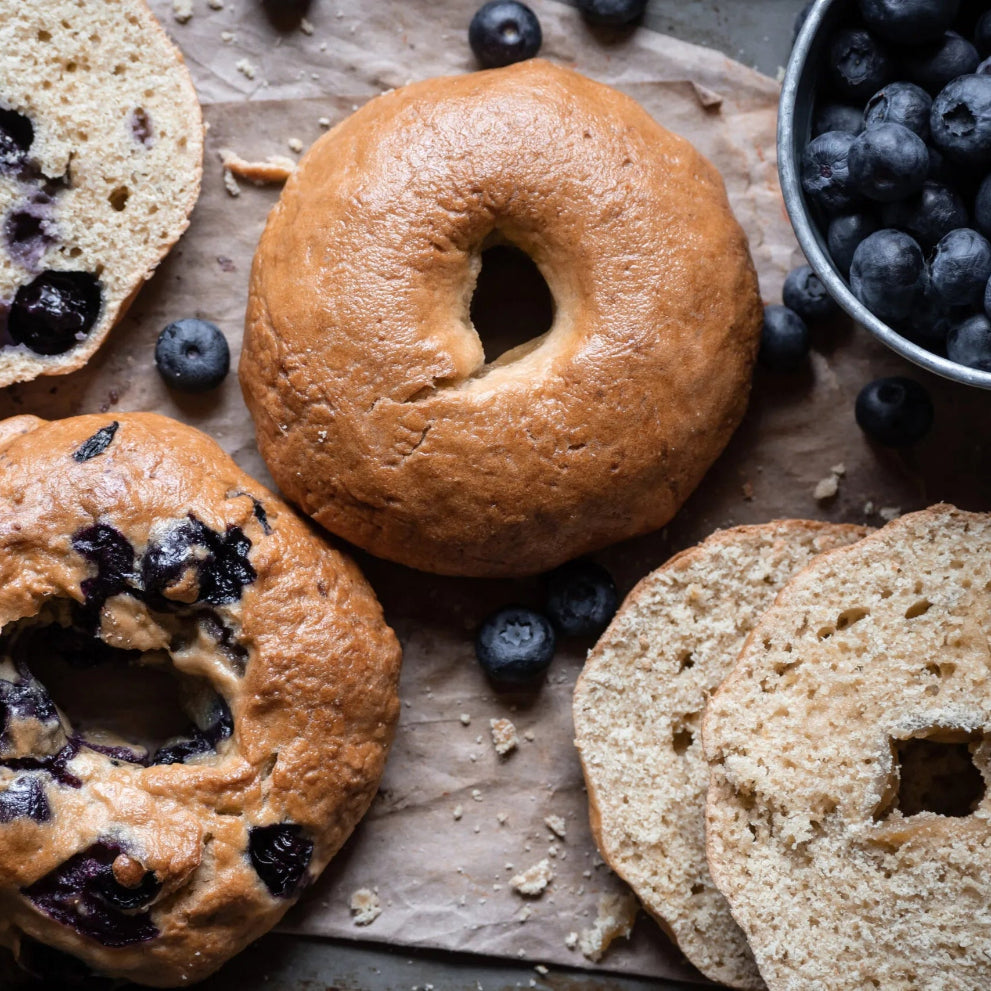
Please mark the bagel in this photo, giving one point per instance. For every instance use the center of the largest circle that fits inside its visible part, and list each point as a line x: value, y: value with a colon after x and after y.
x: 848, y: 824
x: 132, y: 548
x: 638, y: 713
x: 101, y: 150
x: 374, y: 405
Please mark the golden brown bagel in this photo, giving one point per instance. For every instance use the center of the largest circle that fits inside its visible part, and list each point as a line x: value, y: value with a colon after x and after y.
x: 373, y: 403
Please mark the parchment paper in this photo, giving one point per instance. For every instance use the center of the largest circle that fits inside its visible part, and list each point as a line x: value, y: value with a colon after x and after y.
x: 441, y: 880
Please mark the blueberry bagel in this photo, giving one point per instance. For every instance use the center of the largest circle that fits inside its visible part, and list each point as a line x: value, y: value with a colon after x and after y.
x: 139, y: 564
x: 101, y: 146
x: 374, y: 403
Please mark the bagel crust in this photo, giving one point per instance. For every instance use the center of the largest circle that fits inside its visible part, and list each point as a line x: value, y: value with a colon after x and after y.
x: 132, y: 547
x: 847, y: 814
x: 374, y: 405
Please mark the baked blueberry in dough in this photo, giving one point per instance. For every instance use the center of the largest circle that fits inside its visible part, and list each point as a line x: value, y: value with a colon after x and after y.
x: 130, y: 549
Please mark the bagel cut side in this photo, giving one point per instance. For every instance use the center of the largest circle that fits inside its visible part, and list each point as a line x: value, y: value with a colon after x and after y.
x: 848, y: 824
x: 374, y: 405
x: 638, y: 712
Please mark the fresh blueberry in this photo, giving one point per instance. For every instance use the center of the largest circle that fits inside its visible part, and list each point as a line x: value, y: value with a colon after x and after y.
x: 25, y: 798
x: 192, y: 355
x: 929, y: 215
x: 961, y: 267
x: 826, y: 171
x: 804, y: 293
x: 95, y: 446
x: 969, y: 343
x: 613, y: 12
x: 982, y: 207
x: 930, y: 321
x: 581, y: 598
x: 515, y: 646
x: 55, y: 311
x: 961, y: 120
x: 894, y: 412
x: 932, y: 66
x: 503, y: 32
x: 784, y: 340
x: 888, y: 274
x: 939, y: 171
x: 888, y: 162
x: 904, y: 22
x: 845, y: 233
x: 900, y: 103
x: 837, y: 117
x: 857, y: 65
x: 280, y: 854
x: 84, y: 894
x: 16, y: 136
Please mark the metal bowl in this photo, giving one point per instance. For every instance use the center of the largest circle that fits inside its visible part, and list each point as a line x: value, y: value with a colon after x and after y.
x: 794, y: 132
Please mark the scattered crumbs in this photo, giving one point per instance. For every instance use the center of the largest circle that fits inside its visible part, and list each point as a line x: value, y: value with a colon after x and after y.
x: 182, y: 10
x: 839, y: 469
x: 529, y: 735
x: 322, y: 436
x: 552, y: 850
x: 827, y: 488
x: 275, y: 168
x: 465, y: 719
x: 508, y: 866
x: 868, y: 508
x: 295, y: 145
x: 748, y: 492
x: 246, y: 68
x: 477, y: 829
x: 215, y: 4
x: 497, y: 887
x: 524, y: 913
x: 502, y: 818
x: 541, y: 969
x: 615, y: 918
x: 586, y: 874
x: 889, y: 513
x: 473, y: 758
x: 230, y: 183
x: 323, y: 46
x: 478, y: 739
x: 458, y: 812
x: 323, y: 121
x: 521, y: 953
x: 227, y: 37
x: 504, y: 737
x: 305, y: 26
x: 527, y: 848
x: 571, y: 940
x: 476, y: 794
x: 532, y: 882
x: 556, y: 825
x: 365, y: 906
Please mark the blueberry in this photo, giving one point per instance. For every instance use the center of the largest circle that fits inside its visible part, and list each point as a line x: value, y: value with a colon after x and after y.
x: 933, y: 66
x: 280, y: 854
x: 784, y: 340
x: 84, y: 894
x: 894, y: 412
x: 826, y: 171
x: 95, y: 446
x: 982, y: 34
x: 929, y: 215
x: 25, y: 699
x: 30, y: 229
x: 888, y: 162
x: 845, y: 233
x: 503, y: 32
x: 55, y: 311
x: 930, y: 321
x: 192, y: 355
x: 181, y: 749
x: 113, y: 556
x: 961, y: 267
x: 961, y: 120
x: 969, y: 343
x: 515, y: 646
x: 906, y: 21
x: 888, y: 274
x: 900, y: 103
x: 16, y: 136
x: 837, y: 117
x: 581, y: 598
x: 804, y: 293
x: 982, y: 208
x: 57, y: 765
x: 25, y: 798
x: 857, y: 65
x: 613, y: 12
x: 125, y: 755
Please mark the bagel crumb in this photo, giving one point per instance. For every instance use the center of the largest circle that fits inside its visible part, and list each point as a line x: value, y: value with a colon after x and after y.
x: 182, y: 10
x: 889, y: 513
x: 365, y: 906
x: 246, y: 68
x: 556, y: 825
x: 504, y: 737
x: 305, y: 26
x: 615, y: 917
x: 571, y: 940
x: 826, y: 488
x: 532, y: 882
x: 458, y: 812
x: 465, y: 719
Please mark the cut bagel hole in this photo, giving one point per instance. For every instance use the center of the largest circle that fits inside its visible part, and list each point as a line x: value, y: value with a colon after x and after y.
x: 512, y: 307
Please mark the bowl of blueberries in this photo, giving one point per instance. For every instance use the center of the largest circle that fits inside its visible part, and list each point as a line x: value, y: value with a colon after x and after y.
x: 884, y: 152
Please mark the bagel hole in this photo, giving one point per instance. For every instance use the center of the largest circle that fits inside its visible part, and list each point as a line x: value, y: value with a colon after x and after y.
x: 512, y: 303
x: 132, y: 701
x: 936, y: 774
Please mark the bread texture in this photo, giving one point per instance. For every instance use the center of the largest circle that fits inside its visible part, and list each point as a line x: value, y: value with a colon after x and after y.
x: 638, y: 711
x: 375, y: 406
x: 101, y: 148
x: 847, y: 816
x: 132, y: 547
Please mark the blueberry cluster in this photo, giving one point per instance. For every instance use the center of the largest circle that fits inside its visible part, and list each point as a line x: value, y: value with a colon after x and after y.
x: 897, y: 170
x: 515, y: 645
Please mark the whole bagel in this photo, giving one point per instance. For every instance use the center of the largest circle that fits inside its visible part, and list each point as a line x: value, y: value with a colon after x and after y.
x: 374, y: 405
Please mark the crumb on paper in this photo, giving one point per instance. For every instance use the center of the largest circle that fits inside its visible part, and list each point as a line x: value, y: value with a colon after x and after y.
x: 476, y: 794
x: 465, y: 718
x: 529, y: 735
x: 889, y: 513
x: 502, y: 818
x: 246, y: 68
x: 571, y: 940
x: 827, y: 488
x: 323, y: 121
x: 458, y: 812
x: 305, y: 26
x: 557, y: 826
x: 504, y: 737
x: 839, y: 469
x: 227, y: 37
x: 215, y: 4
x: 532, y: 882
x: 524, y: 914
x: 748, y: 492
x: 868, y: 508
x: 295, y: 145
x: 182, y: 10
x: 275, y: 168
x: 365, y: 906
x: 226, y: 264
x: 541, y: 969
x: 552, y: 850
x: 230, y: 183
x: 615, y: 918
